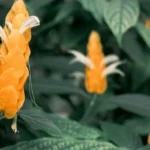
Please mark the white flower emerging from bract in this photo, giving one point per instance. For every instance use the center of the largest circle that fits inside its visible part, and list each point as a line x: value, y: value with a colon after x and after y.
x: 110, y: 69
x: 79, y: 57
x: 30, y: 22
x: 109, y: 59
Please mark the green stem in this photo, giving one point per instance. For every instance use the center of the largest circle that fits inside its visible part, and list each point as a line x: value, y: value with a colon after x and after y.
x: 89, y: 109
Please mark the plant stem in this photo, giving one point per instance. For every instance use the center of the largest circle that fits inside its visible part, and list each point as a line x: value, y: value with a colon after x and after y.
x: 89, y: 109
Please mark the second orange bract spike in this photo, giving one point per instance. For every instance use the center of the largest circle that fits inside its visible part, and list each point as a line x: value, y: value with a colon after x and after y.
x: 94, y: 81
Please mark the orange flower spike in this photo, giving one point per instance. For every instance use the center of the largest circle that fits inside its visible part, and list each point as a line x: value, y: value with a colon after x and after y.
x: 95, y: 62
x: 13, y: 74
x: 94, y: 82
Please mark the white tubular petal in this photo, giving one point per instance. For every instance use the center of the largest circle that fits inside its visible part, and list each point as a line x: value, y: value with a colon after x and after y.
x: 3, y: 35
x: 9, y: 25
x: 30, y: 22
x: 112, y: 69
x: 109, y: 59
x: 115, y: 71
x: 79, y: 57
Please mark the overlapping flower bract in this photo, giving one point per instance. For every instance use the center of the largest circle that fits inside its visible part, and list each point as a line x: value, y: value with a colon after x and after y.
x: 14, y: 57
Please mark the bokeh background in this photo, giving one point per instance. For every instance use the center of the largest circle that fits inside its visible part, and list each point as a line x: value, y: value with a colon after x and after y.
x: 66, y: 25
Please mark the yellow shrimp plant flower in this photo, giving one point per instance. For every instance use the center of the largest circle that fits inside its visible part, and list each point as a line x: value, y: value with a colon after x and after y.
x: 96, y: 65
x: 14, y: 55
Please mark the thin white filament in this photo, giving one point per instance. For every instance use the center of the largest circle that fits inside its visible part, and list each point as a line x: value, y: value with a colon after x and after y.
x: 111, y: 69
x: 31, y: 88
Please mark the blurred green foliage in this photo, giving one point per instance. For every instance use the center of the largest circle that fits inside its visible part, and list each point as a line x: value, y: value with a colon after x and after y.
x: 119, y: 119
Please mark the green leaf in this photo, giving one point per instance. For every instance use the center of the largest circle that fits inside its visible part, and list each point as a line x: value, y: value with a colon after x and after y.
x: 39, y: 4
x: 120, y: 15
x: 74, y: 129
x: 147, y: 147
x: 138, y: 70
x: 57, y: 87
x: 60, y: 64
x: 136, y: 103
x: 38, y: 120
x: 95, y: 7
x: 104, y: 105
x: 101, y: 106
x: 71, y: 39
x: 122, y: 136
x: 66, y: 11
x: 144, y: 32
x: 133, y: 48
x: 140, y: 125
x: 63, y: 144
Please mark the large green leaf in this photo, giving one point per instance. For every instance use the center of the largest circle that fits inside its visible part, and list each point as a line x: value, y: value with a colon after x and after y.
x: 147, y: 147
x: 140, y: 125
x: 95, y: 7
x: 57, y: 64
x: 57, y: 126
x: 122, y: 136
x: 133, y: 48
x: 74, y: 129
x: 136, y: 103
x: 63, y: 144
x: 120, y: 15
x: 57, y: 87
x: 138, y: 70
x: 144, y: 32
x: 38, y: 120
